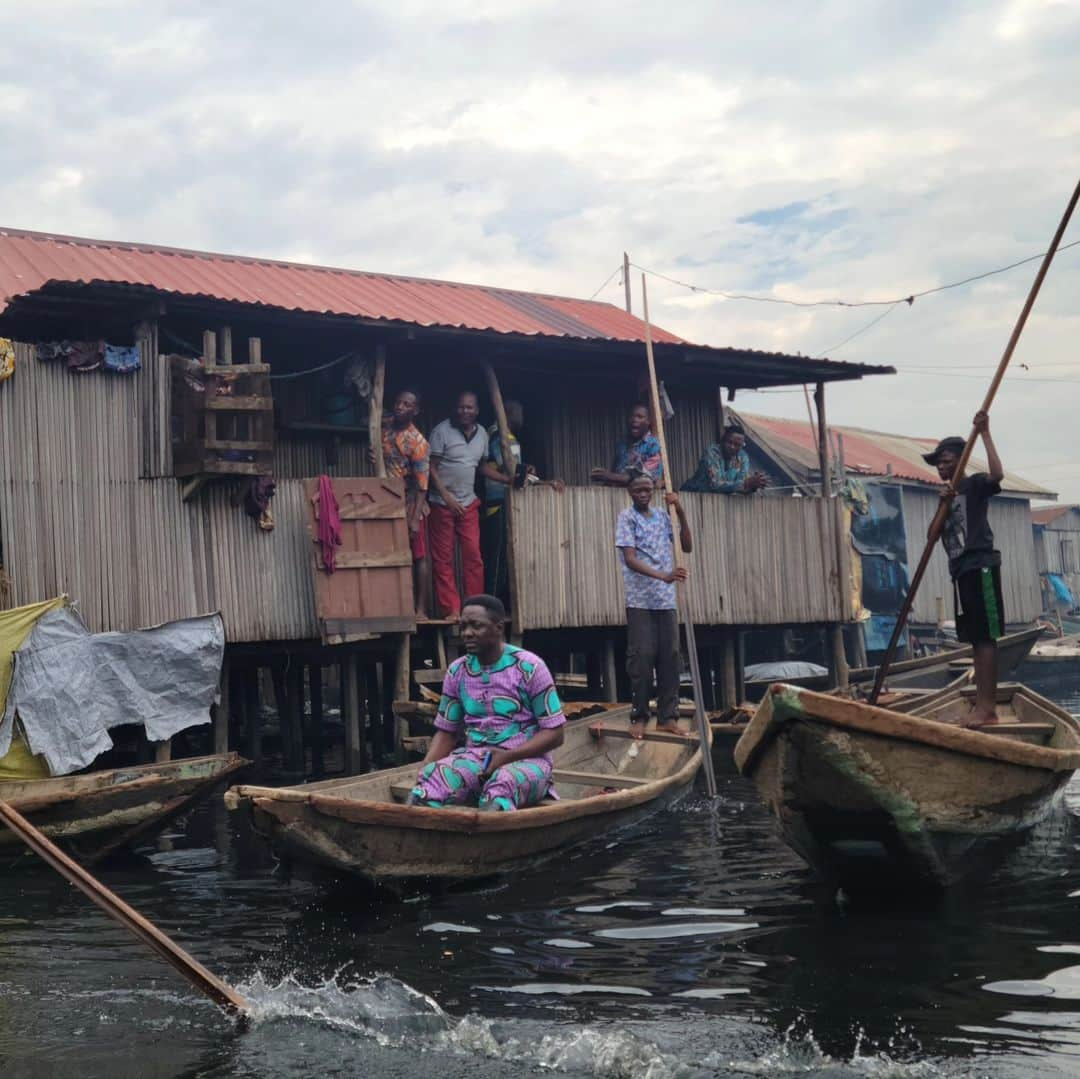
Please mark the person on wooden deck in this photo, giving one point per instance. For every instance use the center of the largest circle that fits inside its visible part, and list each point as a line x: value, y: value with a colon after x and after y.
x: 493, y: 527
x: 638, y: 455
x: 459, y: 448
x: 407, y: 456
x: 499, y: 720
x: 724, y: 468
x: 645, y: 539
x: 974, y: 564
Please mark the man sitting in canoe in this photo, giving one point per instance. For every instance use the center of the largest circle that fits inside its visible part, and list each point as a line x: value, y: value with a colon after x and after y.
x: 974, y: 564
x: 499, y: 719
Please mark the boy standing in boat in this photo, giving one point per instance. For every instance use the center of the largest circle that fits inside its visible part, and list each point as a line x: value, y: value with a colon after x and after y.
x: 974, y: 564
x: 645, y: 540
x: 499, y: 719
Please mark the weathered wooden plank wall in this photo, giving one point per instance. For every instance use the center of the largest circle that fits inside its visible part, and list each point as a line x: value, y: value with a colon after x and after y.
x: 76, y: 517
x: 1010, y: 518
x: 759, y: 561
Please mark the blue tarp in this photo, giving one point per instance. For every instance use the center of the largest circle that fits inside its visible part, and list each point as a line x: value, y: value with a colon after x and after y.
x: 1061, y: 590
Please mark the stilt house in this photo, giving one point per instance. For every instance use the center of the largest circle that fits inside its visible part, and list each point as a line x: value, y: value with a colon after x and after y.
x: 125, y: 487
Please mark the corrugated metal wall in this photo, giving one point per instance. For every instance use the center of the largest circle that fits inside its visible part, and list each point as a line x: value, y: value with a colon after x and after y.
x: 1057, y: 549
x: 76, y: 517
x: 1010, y: 518
x: 760, y: 561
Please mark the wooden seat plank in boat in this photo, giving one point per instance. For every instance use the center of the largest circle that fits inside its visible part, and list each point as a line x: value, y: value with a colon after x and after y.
x: 357, y: 825
x: 872, y: 798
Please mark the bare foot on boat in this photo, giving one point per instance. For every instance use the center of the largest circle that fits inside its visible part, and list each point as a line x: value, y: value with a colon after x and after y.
x: 637, y: 728
x: 981, y: 719
x: 672, y: 727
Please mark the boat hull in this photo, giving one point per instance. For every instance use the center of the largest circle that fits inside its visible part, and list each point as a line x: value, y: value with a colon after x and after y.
x: 92, y: 815
x: 875, y: 800
x: 357, y: 827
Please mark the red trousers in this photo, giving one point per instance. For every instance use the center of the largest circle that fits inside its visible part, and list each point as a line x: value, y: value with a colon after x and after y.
x: 443, y: 528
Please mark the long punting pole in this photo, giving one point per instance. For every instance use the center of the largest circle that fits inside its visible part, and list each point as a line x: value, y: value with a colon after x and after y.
x: 684, y: 599
x: 947, y: 496
x: 221, y: 994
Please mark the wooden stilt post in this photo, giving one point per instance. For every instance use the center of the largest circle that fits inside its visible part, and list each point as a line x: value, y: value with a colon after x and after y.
x: 221, y: 712
x: 860, y: 646
x: 611, y: 691
x: 375, y: 411
x: 294, y: 745
x: 318, y: 762
x: 374, y: 715
x: 163, y: 751
x: 351, y: 709
x: 402, y: 681
x: 252, y: 716
x: 510, y: 470
x: 838, y: 664
x: 729, y: 696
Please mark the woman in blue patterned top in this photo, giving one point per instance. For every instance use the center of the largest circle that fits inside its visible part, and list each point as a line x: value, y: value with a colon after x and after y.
x: 724, y: 468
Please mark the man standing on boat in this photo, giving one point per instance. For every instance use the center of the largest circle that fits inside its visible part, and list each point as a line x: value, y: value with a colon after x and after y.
x: 499, y: 719
x: 974, y: 564
x: 645, y: 540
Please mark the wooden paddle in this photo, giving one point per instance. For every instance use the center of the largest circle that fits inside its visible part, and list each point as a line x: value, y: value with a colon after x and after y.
x: 947, y: 496
x: 700, y: 718
x: 221, y: 994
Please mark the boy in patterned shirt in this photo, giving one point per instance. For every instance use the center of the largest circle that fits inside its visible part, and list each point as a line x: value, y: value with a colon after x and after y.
x: 499, y: 719
x: 408, y: 457
x: 645, y: 540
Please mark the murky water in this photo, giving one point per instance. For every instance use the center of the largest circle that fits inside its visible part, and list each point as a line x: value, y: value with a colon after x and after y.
x: 694, y: 946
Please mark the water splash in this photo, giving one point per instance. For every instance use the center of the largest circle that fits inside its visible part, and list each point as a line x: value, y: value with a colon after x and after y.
x: 394, y: 1015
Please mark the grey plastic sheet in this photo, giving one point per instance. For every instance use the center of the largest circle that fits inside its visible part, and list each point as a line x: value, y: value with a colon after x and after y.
x: 71, y: 686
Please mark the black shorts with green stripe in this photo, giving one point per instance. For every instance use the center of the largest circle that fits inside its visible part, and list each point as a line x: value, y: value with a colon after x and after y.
x: 980, y: 613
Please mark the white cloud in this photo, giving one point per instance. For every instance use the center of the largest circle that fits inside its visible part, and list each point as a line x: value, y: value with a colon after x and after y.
x: 854, y: 151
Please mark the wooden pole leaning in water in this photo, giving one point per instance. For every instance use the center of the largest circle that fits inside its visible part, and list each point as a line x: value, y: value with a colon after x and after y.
x: 947, y: 496
x: 681, y: 591
x: 222, y: 995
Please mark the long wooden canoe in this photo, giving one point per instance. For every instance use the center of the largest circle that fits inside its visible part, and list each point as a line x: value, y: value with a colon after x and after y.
x: 874, y: 799
x: 95, y: 814
x: 925, y: 672
x: 361, y: 826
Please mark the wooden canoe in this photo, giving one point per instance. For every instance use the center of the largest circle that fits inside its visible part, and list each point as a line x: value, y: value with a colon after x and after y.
x: 360, y: 826
x: 876, y: 799
x: 925, y: 672
x: 92, y: 815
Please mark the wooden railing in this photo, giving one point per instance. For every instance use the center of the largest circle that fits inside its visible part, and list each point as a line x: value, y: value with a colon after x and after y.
x: 756, y: 560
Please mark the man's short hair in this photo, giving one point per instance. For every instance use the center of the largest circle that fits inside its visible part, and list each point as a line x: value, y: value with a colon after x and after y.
x: 637, y: 474
x: 409, y: 389
x: 733, y: 429
x: 492, y: 604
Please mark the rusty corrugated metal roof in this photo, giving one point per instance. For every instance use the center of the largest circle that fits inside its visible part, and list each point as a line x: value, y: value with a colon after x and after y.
x: 31, y: 260
x: 868, y: 453
x: 1049, y: 514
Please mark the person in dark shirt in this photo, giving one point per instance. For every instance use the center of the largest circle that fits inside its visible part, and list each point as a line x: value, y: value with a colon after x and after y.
x: 974, y: 563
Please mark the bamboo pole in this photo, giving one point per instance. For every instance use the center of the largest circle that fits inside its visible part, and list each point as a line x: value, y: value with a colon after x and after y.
x: 684, y: 600
x: 375, y: 412
x: 947, y: 496
x: 221, y: 994
x: 510, y: 469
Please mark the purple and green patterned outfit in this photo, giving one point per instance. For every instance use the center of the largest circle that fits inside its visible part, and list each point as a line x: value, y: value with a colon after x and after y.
x: 496, y: 707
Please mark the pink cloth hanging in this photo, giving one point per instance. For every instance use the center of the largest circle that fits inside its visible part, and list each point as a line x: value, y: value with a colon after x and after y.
x: 329, y: 523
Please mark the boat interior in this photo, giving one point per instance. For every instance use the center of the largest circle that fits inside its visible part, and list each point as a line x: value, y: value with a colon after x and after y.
x: 598, y: 756
x: 1023, y: 715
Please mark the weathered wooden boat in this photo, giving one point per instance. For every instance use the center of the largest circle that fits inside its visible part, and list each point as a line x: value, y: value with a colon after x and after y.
x: 876, y: 799
x: 924, y: 672
x: 360, y: 825
x: 94, y: 814
x: 1064, y: 650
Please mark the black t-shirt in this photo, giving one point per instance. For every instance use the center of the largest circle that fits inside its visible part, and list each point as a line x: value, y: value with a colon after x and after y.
x: 966, y: 537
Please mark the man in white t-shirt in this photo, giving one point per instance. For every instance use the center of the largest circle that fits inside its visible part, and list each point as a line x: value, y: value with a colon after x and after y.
x: 459, y: 447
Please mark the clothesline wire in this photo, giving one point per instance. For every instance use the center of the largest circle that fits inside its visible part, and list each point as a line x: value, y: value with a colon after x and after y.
x: 178, y: 340
x: 607, y: 282
x: 910, y: 298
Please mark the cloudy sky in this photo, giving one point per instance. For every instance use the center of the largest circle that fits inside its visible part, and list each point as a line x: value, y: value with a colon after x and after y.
x: 861, y: 150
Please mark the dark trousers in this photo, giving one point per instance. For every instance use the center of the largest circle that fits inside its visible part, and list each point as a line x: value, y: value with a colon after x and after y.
x: 493, y: 539
x: 652, y: 642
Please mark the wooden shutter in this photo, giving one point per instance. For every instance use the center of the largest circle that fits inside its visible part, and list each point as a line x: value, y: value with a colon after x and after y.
x: 371, y: 589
